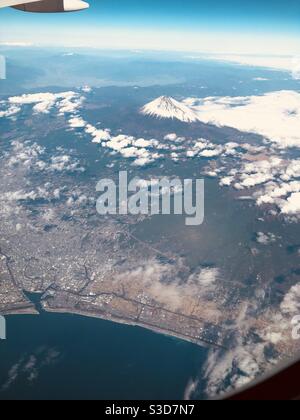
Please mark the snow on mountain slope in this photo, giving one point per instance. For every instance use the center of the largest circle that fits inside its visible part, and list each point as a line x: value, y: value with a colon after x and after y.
x: 167, y: 107
x: 273, y: 115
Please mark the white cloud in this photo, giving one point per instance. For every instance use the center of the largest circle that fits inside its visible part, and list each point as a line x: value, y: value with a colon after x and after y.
x: 206, y: 278
x: 233, y: 368
x: 77, y: 122
x: 120, y: 142
x: 292, y: 204
x: 260, y: 79
x: 19, y: 196
x: 171, y: 137
x: 98, y: 135
x: 275, y: 191
x: 211, y: 153
x: 275, y: 62
x: 265, y: 238
x: 250, y: 181
x: 142, y: 143
x: 65, y: 163
x: 226, y: 181
x: 163, y: 283
x: 291, y: 302
x: 271, y: 179
x: 28, y: 367
x: 142, y: 161
x: 274, y: 115
x: 26, y: 154
x: 70, y: 103
x: 66, y: 102
x: 10, y: 111
x: 86, y: 89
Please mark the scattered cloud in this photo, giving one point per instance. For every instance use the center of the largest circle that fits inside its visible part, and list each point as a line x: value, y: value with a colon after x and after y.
x: 163, y: 282
x: 77, y: 122
x: 291, y: 302
x: 265, y: 238
x: 292, y: 204
x: 64, y: 163
x: 29, y: 366
x: 10, y: 111
x: 43, y: 103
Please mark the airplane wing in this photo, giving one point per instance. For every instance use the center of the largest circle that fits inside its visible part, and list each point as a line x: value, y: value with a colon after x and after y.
x: 8, y: 3
x: 45, y: 6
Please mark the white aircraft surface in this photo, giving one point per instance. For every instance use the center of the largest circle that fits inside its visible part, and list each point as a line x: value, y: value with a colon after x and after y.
x: 46, y: 6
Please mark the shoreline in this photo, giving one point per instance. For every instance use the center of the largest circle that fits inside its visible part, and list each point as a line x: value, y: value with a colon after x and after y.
x: 120, y: 321
x: 21, y: 311
x: 154, y: 329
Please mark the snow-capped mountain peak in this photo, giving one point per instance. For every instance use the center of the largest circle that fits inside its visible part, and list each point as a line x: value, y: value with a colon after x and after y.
x: 167, y: 107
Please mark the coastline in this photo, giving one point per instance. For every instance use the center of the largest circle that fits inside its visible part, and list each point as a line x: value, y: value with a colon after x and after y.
x: 120, y: 321
x: 113, y: 359
x: 30, y: 310
x: 114, y: 319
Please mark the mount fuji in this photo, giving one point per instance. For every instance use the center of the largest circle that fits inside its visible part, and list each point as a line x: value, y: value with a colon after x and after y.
x: 167, y: 107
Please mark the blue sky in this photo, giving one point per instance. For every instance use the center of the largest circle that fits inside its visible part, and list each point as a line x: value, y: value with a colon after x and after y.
x: 215, y: 26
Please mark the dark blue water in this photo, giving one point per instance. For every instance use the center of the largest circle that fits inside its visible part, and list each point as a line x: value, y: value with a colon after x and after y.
x: 58, y: 356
